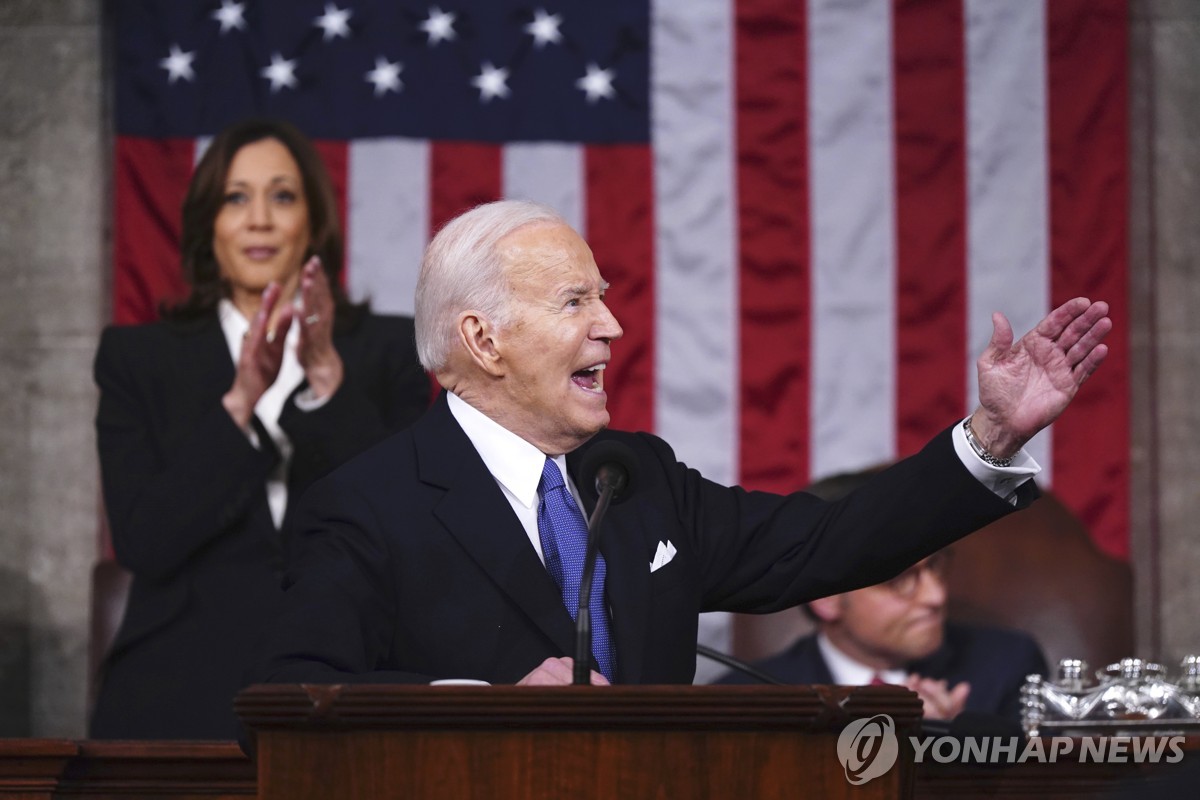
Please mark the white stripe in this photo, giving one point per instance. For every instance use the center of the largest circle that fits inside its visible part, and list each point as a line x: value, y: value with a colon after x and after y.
x: 853, y: 234
x: 551, y: 173
x: 387, y: 221
x: 1008, y: 235
x: 202, y: 143
x: 696, y: 402
x: 696, y: 300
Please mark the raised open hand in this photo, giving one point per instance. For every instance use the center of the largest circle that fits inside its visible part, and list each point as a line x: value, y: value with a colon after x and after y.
x: 322, y: 365
x: 1023, y: 387
x: 260, y: 358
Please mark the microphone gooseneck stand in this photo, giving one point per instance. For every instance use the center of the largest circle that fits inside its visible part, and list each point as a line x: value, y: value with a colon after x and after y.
x: 583, y: 622
x: 740, y: 666
x: 610, y: 468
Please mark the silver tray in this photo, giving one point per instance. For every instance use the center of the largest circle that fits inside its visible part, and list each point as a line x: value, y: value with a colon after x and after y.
x: 1119, y: 727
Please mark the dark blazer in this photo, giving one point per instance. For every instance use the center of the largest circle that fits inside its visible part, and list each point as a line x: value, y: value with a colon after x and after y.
x: 410, y: 564
x: 186, y: 501
x: 994, y: 661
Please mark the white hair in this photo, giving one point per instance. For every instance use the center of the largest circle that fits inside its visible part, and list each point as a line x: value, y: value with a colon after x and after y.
x: 462, y: 270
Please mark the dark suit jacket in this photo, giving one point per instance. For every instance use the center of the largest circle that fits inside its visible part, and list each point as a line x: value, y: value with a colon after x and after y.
x: 186, y: 501
x: 411, y: 565
x: 994, y: 661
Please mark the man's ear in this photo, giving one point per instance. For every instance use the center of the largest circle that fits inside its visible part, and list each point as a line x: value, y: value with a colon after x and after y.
x: 826, y: 609
x: 477, y: 335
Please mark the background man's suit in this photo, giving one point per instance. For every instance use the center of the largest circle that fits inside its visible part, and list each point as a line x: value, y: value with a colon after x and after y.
x: 409, y: 564
x: 185, y: 496
x: 994, y: 661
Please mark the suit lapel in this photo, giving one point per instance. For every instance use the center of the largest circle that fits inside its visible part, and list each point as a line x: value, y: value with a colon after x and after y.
x: 206, y: 364
x: 204, y: 373
x: 476, y: 513
x: 627, y: 587
x: 813, y: 663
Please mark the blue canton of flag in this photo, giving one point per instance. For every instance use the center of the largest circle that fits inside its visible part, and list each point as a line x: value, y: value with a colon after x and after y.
x: 473, y: 70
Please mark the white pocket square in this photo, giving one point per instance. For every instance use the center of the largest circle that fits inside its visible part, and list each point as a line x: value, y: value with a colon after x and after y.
x: 662, y: 556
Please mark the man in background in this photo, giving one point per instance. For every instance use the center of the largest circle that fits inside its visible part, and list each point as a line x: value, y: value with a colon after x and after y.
x: 896, y: 632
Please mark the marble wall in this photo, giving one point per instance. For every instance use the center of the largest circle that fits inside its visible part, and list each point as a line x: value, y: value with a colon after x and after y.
x: 1165, y: 143
x: 54, y: 223
x: 53, y: 256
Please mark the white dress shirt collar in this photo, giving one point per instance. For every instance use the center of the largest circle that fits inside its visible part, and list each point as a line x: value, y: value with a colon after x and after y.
x: 514, y: 463
x: 846, y: 671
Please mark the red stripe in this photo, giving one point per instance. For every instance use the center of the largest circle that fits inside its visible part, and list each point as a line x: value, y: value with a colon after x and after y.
x: 931, y: 219
x: 336, y: 155
x: 1089, y: 247
x: 773, y: 239
x: 150, y: 179
x: 620, y: 230
x: 462, y: 175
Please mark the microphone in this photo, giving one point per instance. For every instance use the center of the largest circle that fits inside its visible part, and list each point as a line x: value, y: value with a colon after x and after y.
x: 612, y: 464
x: 608, y: 470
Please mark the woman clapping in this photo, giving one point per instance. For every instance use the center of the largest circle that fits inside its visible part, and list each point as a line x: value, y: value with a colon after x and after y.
x: 263, y: 379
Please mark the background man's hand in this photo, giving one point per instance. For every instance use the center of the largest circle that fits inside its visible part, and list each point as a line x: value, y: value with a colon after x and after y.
x: 940, y: 701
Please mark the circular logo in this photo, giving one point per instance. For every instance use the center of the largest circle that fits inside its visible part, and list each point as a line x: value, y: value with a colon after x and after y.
x: 868, y: 748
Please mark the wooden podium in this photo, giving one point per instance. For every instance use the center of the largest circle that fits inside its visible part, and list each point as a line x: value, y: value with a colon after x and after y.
x: 566, y: 742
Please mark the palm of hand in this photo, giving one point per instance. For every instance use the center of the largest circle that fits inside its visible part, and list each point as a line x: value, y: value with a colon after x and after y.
x: 1024, y: 387
x: 260, y: 363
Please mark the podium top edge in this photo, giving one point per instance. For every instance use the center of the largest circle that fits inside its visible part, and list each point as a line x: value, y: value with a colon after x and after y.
x: 816, y: 708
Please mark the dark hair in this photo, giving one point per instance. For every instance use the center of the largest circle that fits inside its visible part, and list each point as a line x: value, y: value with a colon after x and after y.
x: 206, y: 194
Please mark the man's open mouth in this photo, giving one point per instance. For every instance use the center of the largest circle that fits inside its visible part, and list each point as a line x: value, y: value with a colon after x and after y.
x: 589, y: 378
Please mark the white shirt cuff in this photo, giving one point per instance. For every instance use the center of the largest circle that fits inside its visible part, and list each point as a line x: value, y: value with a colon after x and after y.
x: 1002, y: 481
x: 307, y: 400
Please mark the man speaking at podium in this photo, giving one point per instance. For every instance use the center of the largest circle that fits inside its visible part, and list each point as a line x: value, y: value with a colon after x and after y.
x: 453, y: 549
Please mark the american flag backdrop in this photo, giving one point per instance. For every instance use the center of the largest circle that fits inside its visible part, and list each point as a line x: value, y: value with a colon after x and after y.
x: 807, y: 209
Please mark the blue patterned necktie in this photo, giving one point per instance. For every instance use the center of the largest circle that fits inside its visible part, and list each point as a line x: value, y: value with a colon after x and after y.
x: 564, y: 532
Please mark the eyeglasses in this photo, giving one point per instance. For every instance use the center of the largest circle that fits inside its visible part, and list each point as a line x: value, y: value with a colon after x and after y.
x: 905, y: 584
